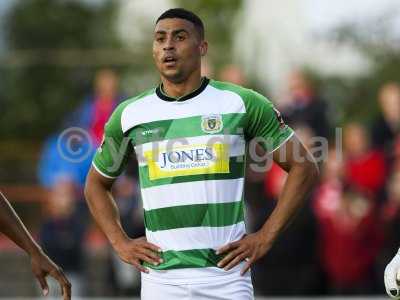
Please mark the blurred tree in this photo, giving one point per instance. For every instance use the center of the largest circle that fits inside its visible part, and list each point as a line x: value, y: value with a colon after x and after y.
x: 47, y: 75
x: 219, y: 20
x: 37, y: 91
x: 53, y: 48
x: 356, y: 98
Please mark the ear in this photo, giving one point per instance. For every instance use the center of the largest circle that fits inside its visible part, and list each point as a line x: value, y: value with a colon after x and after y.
x: 203, y: 48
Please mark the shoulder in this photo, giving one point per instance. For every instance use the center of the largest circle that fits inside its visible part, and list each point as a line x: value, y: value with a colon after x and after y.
x: 249, y: 96
x: 227, y: 86
x: 125, y: 103
x: 115, y: 119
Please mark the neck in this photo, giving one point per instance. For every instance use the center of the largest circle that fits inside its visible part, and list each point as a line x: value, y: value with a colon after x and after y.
x: 177, y: 90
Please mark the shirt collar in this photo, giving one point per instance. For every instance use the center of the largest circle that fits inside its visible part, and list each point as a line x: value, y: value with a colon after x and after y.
x: 162, y: 95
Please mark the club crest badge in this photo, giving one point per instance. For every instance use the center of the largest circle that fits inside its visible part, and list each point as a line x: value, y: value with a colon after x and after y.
x: 211, y: 123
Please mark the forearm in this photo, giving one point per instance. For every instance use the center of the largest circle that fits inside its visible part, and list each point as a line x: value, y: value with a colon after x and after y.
x: 300, y: 181
x: 105, y: 212
x: 13, y: 228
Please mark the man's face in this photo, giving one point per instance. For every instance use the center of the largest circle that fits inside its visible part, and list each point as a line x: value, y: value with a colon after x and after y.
x: 177, y: 49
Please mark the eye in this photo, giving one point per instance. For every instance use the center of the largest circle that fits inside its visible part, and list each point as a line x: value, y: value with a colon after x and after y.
x: 180, y: 37
x: 160, y: 39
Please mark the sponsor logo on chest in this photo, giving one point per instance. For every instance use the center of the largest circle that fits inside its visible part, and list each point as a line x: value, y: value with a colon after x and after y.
x: 186, y: 160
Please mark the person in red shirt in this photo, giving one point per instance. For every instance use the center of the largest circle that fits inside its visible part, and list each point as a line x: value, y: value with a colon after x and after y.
x: 105, y: 99
x: 98, y: 106
x: 350, y: 231
x: 365, y: 167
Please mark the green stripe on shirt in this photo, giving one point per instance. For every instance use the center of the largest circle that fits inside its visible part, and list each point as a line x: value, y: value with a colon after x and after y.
x: 196, y: 258
x: 184, y: 128
x: 194, y: 215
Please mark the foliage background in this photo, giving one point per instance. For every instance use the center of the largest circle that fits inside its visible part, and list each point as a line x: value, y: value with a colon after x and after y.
x: 53, y: 48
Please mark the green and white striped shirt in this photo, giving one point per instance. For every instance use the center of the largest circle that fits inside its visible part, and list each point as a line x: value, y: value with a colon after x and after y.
x: 191, y: 154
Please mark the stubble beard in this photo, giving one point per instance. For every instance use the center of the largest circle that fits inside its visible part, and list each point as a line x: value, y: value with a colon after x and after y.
x: 176, y: 77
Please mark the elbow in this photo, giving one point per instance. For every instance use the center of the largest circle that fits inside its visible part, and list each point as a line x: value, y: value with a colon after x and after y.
x: 308, y: 170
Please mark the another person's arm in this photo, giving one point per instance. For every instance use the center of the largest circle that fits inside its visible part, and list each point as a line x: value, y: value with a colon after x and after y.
x: 392, y: 277
x: 42, y: 265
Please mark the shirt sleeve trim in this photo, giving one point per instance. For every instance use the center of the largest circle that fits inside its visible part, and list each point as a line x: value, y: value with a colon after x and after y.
x: 102, y: 173
x: 283, y: 142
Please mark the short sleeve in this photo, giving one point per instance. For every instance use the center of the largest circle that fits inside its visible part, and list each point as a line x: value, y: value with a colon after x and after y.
x: 112, y: 156
x: 265, y: 122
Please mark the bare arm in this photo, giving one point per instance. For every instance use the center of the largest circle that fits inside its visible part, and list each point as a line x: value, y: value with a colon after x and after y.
x: 103, y: 207
x: 106, y: 214
x: 12, y: 226
x: 302, y: 175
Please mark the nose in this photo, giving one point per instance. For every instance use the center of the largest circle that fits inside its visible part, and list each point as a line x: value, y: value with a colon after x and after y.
x: 169, y: 45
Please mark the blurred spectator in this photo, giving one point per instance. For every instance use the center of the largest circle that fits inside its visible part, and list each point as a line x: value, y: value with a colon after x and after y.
x: 233, y: 74
x: 365, y: 167
x: 125, y: 279
x: 350, y: 240
x: 350, y: 233
x: 304, y: 107
x: 64, y: 163
x: 62, y: 233
x: 387, y: 126
x: 391, y: 220
x: 97, y: 108
x: 292, y: 259
x: 70, y: 152
x: 396, y: 152
x: 391, y: 210
x: 65, y: 157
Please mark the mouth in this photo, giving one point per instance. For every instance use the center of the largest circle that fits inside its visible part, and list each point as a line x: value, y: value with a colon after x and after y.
x: 169, y: 61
